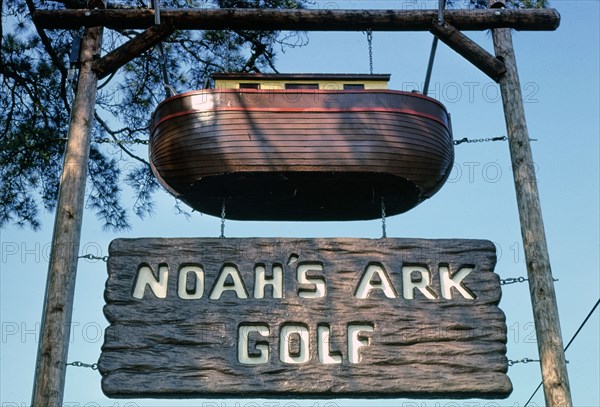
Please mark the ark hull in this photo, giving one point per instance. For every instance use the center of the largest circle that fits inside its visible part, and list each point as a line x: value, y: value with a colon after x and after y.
x: 302, y: 154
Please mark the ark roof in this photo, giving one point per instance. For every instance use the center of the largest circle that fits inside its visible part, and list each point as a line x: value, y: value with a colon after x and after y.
x: 302, y: 76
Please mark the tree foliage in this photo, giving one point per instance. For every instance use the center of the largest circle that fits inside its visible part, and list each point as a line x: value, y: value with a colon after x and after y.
x: 511, y: 3
x: 37, y: 91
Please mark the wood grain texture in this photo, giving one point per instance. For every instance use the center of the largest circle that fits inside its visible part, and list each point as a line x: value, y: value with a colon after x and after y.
x: 130, y: 50
x: 173, y: 347
x: 302, y: 20
x: 301, y: 155
x: 51, y: 364
x: 469, y: 49
x: 541, y: 282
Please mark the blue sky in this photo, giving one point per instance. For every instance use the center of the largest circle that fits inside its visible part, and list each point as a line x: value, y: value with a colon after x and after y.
x: 559, y: 73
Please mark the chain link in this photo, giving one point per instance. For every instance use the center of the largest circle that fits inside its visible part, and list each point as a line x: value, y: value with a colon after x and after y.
x: 383, y: 226
x: 370, y: 41
x: 524, y: 360
x: 223, y: 220
x: 107, y: 140
x: 479, y: 140
x: 123, y: 142
x: 484, y: 140
x: 92, y: 257
x: 93, y: 366
x: 513, y: 280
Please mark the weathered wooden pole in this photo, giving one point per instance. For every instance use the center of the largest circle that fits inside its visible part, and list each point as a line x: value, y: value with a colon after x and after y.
x: 51, y: 365
x: 300, y: 19
x: 541, y: 284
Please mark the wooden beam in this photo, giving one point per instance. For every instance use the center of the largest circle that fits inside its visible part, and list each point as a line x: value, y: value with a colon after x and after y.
x: 541, y: 284
x: 53, y: 348
x: 132, y: 49
x: 469, y: 49
x: 300, y: 20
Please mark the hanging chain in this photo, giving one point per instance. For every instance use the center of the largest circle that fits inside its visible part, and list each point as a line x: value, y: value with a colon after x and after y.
x: 93, y: 366
x: 383, y: 226
x: 513, y: 280
x: 223, y: 220
x: 124, y: 142
x: 479, y: 140
x: 524, y: 360
x: 370, y: 41
x: 107, y: 140
x: 483, y: 140
x: 92, y: 257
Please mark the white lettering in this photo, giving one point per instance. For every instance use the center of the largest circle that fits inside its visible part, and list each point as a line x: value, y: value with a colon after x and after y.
x: 448, y: 282
x: 375, y: 277
x: 285, y: 342
x: 263, y: 349
x: 324, y: 346
x: 182, y: 283
x: 421, y: 282
x: 222, y: 285
x: 145, y: 277
x: 319, y: 289
x: 261, y: 281
x: 357, y: 341
x: 410, y: 280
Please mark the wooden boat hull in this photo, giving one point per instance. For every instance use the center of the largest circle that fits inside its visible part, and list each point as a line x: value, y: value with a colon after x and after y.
x: 301, y: 154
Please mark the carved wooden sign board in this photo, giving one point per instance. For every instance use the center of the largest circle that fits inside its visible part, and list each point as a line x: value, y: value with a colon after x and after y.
x: 303, y: 318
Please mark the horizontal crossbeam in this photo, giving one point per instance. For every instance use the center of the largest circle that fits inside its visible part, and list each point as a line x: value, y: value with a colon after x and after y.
x: 301, y: 20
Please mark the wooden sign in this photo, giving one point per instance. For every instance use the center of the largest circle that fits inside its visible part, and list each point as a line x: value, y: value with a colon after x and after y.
x: 303, y: 317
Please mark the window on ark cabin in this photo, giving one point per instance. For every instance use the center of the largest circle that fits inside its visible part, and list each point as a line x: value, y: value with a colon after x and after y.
x: 353, y: 86
x: 249, y: 86
x: 302, y: 86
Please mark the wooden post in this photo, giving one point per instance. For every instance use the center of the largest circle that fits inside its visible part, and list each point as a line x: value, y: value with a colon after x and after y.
x: 51, y: 366
x: 541, y: 284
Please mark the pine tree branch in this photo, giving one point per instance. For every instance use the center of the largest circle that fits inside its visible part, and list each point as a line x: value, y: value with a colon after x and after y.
x: 9, y: 116
x: 34, y: 72
x: 258, y: 49
x: 53, y: 56
x: 1, y: 30
x: 20, y: 81
x: 196, y: 56
x: 113, y: 134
